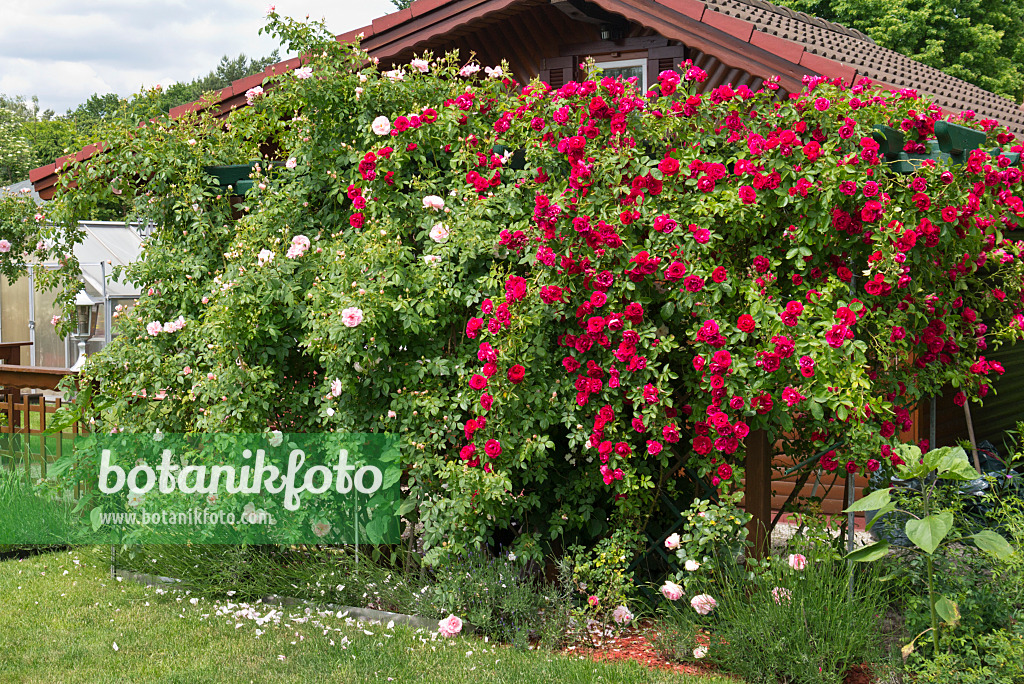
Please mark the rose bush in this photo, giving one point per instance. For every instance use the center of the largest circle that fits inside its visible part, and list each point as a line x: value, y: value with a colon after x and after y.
x: 555, y: 297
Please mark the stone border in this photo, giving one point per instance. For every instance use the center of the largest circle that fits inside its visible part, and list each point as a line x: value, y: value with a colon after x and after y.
x: 367, y: 615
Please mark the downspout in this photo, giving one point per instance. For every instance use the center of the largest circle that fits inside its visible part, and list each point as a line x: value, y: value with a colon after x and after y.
x: 32, y: 314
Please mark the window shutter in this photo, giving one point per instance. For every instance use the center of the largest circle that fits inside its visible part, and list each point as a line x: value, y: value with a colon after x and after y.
x: 558, y: 71
x: 662, y: 59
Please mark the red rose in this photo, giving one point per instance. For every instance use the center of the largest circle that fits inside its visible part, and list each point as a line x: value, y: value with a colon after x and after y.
x: 516, y: 374
x: 724, y: 471
x: 746, y: 323
x: 492, y: 448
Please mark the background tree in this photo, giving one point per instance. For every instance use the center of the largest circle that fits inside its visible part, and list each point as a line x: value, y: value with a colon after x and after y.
x: 979, y: 41
x: 30, y: 137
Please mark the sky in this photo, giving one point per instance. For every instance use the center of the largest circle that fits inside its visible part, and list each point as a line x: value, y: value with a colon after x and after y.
x: 63, y: 51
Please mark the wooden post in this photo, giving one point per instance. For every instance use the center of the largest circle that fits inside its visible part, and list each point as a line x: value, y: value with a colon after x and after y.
x: 758, y: 493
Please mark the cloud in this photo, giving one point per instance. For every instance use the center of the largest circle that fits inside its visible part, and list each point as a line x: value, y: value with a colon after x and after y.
x: 66, y: 50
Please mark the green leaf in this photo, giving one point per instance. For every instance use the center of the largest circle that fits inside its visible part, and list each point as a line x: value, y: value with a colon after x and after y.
x: 993, y: 543
x: 888, y: 508
x: 96, y: 518
x: 407, y: 506
x: 928, y: 532
x: 955, y: 465
x: 948, y: 611
x: 871, y: 502
x: 869, y: 553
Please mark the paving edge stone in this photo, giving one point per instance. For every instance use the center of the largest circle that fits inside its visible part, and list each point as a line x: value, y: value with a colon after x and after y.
x: 367, y: 615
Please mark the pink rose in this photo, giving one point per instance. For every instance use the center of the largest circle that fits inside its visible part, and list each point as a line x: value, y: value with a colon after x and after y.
x: 5, y: 246
x: 671, y: 591
x: 433, y: 202
x: 381, y: 125
x: 154, y: 328
x: 797, y: 561
x: 672, y: 542
x: 703, y: 603
x: 450, y: 626
x: 336, y: 387
x: 352, y: 317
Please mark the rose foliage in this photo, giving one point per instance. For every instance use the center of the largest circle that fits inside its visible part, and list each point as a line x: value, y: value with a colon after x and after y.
x: 557, y: 298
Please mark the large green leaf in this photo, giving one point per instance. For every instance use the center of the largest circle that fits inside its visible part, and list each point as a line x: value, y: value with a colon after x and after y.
x: 994, y: 543
x: 928, y: 532
x: 954, y: 465
x: 871, y: 502
x: 948, y: 611
x: 871, y: 552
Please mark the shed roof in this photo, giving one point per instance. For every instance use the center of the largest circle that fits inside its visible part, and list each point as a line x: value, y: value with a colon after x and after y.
x: 106, y: 245
x: 754, y: 35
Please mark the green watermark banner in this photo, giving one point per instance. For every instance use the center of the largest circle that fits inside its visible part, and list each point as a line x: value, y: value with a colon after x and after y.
x: 324, y: 488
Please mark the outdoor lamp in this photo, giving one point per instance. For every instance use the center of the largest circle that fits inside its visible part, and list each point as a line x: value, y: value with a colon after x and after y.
x: 87, y: 309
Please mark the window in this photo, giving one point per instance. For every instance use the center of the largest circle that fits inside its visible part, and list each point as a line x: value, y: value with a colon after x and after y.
x: 626, y: 69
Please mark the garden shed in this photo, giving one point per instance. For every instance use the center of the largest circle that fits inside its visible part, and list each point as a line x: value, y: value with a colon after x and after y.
x: 741, y: 42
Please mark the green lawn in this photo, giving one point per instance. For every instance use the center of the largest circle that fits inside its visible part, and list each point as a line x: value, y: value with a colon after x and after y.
x: 62, y: 615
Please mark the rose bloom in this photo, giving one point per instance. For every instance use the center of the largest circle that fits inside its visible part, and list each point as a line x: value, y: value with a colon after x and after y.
x: 381, y: 125
x: 700, y: 652
x: 439, y: 233
x: 291, y: 163
x: 5, y: 246
x: 691, y: 565
x: 433, y: 202
x: 671, y: 591
x: 516, y: 374
x: 672, y: 542
x: 352, y: 316
x: 621, y: 615
x: 303, y: 73
x: 154, y: 328
x: 450, y: 626
x: 703, y: 603
x: 797, y: 561
x: 593, y: 601
x: 336, y: 387
x: 420, y: 64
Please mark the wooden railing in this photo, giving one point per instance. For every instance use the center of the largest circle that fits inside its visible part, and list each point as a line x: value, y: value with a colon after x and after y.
x: 24, y: 417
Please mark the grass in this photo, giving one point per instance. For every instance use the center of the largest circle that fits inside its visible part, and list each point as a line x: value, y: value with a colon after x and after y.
x: 63, y: 614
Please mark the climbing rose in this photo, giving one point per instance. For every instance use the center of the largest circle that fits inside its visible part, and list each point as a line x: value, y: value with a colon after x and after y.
x: 381, y: 125
x: 439, y: 233
x: 352, y: 317
x: 516, y: 374
x: 433, y: 202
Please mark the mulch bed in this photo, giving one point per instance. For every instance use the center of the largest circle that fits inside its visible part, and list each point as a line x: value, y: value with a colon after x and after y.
x: 634, y: 645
